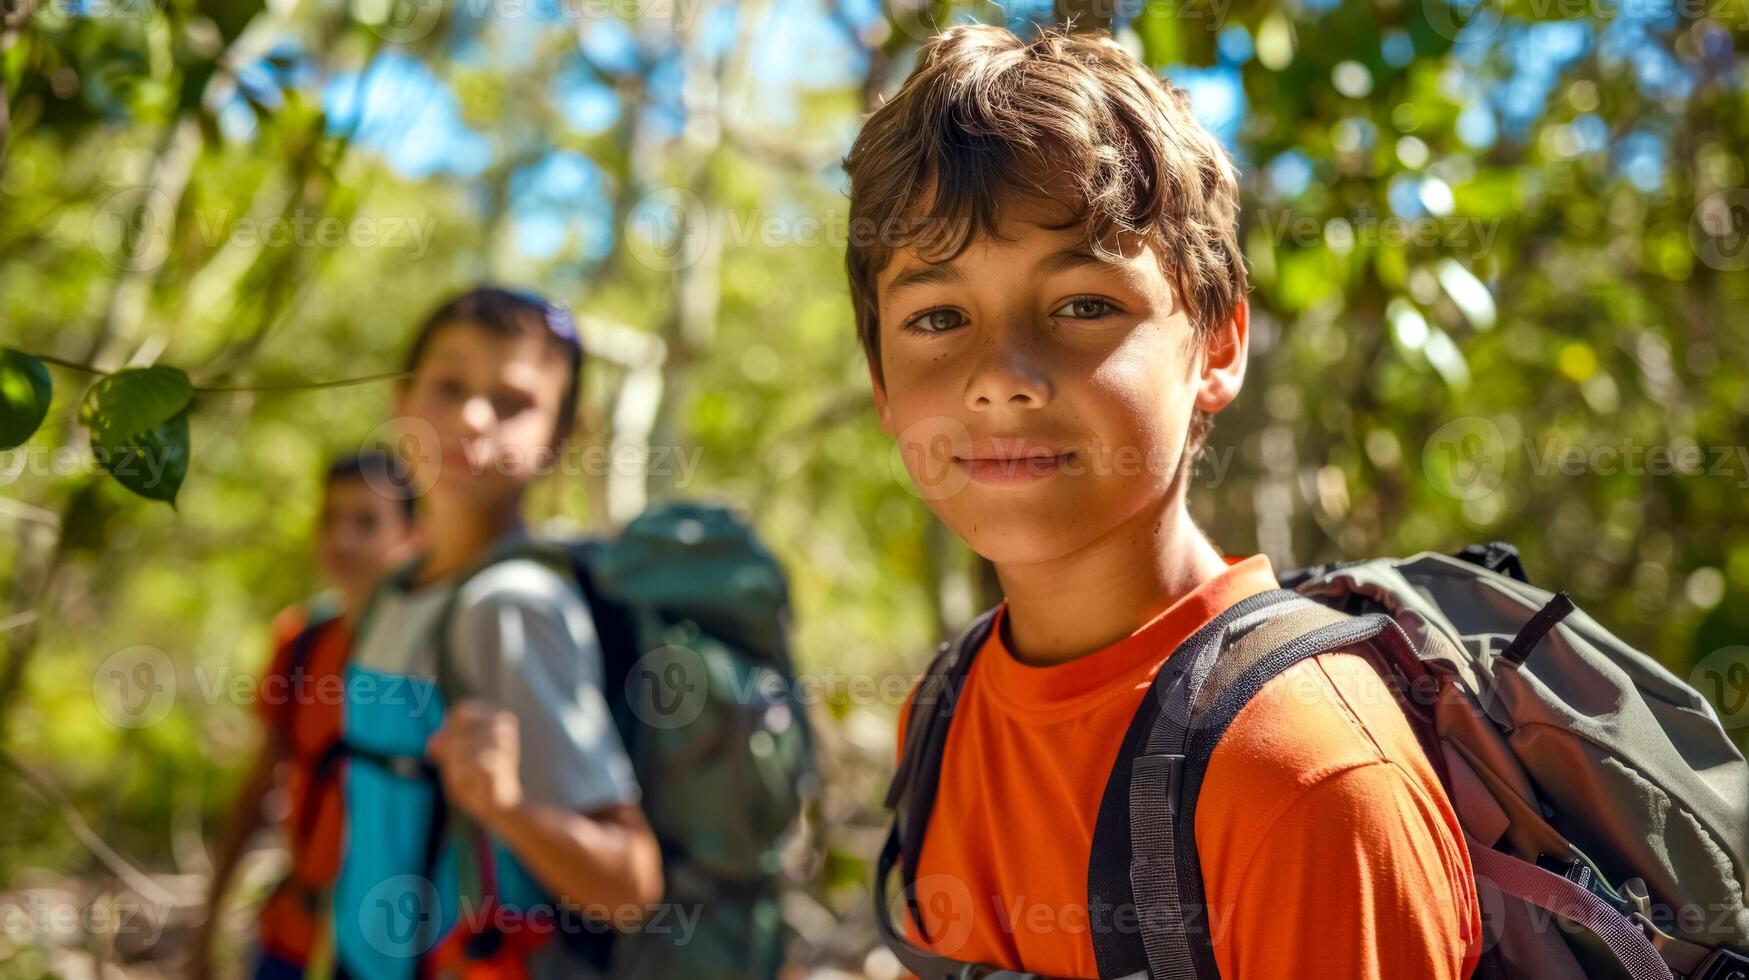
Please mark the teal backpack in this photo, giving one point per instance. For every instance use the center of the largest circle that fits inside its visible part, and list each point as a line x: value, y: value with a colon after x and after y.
x: 693, y: 615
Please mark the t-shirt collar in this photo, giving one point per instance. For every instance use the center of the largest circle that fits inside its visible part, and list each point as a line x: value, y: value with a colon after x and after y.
x: 1084, y: 681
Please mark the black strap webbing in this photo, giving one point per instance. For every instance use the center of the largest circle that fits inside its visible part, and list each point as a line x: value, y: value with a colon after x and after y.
x: 911, y: 797
x: 1195, y: 705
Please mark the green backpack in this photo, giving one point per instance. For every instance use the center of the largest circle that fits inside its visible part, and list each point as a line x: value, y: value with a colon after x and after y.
x: 693, y: 616
x: 1604, y: 806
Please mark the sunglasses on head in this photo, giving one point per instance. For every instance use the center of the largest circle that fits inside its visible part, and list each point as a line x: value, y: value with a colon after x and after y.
x: 557, y: 316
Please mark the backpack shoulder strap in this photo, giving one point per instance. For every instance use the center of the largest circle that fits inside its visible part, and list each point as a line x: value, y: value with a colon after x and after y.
x: 476, y: 871
x: 1144, y: 842
x: 551, y: 554
x: 911, y: 796
x: 302, y: 647
x: 621, y: 629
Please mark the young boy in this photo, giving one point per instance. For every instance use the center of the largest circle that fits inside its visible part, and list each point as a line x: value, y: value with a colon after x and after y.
x: 494, y: 782
x: 1048, y: 288
x: 365, y: 528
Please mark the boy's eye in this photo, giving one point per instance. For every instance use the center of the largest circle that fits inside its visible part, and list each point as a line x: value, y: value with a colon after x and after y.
x: 1085, y: 308
x: 936, y: 321
x: 449, y: 387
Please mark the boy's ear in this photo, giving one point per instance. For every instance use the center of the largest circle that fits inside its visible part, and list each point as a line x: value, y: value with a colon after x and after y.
x: 882, y: 409
x: 1223, y: 361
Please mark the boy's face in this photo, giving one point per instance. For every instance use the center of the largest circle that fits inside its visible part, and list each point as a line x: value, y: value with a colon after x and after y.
x: 482, y: 410
x: 1041, y: 397
x: 362, y: 535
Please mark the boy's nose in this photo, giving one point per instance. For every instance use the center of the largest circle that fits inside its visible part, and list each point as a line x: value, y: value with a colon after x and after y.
x: 478, y: 415
x: 1007, y: 373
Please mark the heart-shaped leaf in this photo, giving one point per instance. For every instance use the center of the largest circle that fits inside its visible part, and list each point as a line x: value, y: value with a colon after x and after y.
x: 133, y: 400
x: 24, y: 396
x: 150, y: 463
x: 139, y: 428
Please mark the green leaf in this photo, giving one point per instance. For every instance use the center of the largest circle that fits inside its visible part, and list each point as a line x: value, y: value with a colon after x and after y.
x: 133, y: 400
x: 139, y: 428
x: 151, y: 463
x: 24, y: 396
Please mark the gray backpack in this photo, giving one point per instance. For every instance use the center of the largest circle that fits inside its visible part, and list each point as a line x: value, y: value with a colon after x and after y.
x: 1605, y: 809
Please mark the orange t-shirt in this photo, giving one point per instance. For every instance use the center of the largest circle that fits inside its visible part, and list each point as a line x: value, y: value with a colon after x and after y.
x: 304, y: 712
x: 1328, y: 846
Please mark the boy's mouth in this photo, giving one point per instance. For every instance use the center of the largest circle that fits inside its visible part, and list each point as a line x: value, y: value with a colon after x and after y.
x: 1009, y: 462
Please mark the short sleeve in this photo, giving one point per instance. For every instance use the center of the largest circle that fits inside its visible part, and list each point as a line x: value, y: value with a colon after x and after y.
x: 522, y: 639
x: 1359, y: 877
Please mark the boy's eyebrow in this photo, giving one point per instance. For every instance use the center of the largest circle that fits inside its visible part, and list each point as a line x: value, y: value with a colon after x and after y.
x: 1074, y: 257
x: 931, y: 274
